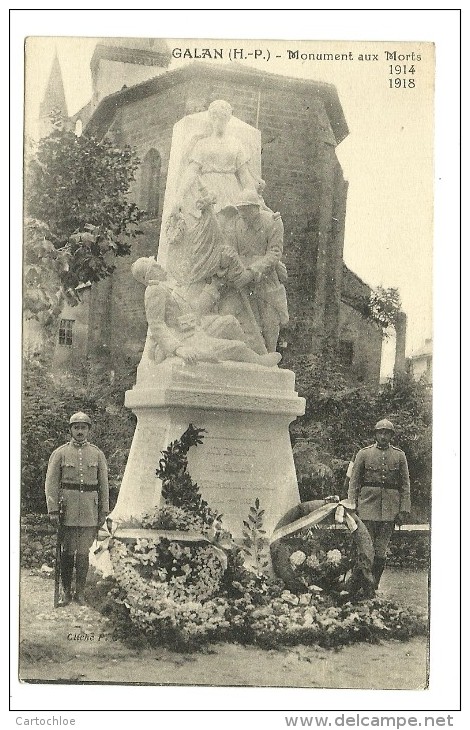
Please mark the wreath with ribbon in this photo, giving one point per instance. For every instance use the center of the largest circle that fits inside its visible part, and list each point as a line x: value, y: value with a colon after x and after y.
x: 301, y: 558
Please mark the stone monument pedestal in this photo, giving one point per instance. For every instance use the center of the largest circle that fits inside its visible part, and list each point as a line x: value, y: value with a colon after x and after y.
x: 246, y: 453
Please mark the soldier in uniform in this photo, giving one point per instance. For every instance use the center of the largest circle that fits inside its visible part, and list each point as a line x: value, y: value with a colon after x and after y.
x: 380, y: 489
x: 256, y: 234
x: 77, y: 497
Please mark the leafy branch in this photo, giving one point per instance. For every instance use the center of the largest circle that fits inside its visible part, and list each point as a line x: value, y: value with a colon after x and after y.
x: 78, y: 216
x: 255, y: 544
x: 382, y: 306
x: 178, y: 489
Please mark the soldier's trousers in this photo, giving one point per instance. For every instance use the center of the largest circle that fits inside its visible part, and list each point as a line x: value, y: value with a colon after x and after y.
x: 381, y: 533
x: 78, y: 539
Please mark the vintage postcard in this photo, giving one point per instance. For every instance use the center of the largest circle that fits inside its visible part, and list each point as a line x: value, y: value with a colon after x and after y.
x: 227, y: 363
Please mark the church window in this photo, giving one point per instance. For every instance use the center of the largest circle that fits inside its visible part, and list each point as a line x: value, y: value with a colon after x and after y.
x: 78, y: 128
x: 150, y: 183
x: 346, y: 352
x: 66, y: 332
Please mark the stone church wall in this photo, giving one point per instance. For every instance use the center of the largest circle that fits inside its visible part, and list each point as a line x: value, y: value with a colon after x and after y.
x: 359, y: 340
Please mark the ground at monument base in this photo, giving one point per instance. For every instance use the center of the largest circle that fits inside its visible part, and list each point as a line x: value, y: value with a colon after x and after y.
x: 48, y: 653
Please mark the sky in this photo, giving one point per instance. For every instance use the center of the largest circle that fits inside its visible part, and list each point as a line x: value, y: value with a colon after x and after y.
x: 387, y: 157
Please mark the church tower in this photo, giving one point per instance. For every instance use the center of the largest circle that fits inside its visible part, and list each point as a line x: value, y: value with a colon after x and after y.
x: 53, y: 100
x: 120, y: 62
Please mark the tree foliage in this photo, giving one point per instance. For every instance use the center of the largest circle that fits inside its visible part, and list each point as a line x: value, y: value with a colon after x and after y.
x: 339, y: 420
x: 46, y: 408
x: 79, y: 217
x: 178, y: 489
x: 382, y: 306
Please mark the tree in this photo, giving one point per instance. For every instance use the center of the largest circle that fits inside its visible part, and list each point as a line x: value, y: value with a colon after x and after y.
x: 339, y: 420
x: 44, y: 267
x: 79, y: 217
x: 382, y: 306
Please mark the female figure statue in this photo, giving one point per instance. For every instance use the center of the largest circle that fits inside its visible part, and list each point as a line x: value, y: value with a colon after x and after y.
x: 212, y: 183
x: 218, y: 162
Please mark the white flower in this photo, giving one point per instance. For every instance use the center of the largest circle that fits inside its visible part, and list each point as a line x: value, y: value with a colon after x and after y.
x: 297, y: 558
x: 333, y: 556
x: 313, y: 562
x: 289, y: 597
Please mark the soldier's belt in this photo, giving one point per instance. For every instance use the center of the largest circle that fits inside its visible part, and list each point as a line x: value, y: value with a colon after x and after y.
x: 80, y: 487
x: 378, y: 485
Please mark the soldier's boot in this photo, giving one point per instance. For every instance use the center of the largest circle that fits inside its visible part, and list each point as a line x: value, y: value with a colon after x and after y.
x: 81, y: 572
x: 359, y: 585
x: 66, y: 572
x: 354, y: 584
x: 377, y: 570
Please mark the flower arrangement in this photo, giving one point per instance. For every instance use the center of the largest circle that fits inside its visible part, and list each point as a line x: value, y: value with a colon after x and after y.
x: 175, y: 229
x: 183, y: 597
x: 312, y: 619
x: 325, y: 569
x: 170, y: 517
x: 184, y: 594
x: 167, y: 590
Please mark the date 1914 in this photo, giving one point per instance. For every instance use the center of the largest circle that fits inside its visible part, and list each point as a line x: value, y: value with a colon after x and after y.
x: 401, y: 76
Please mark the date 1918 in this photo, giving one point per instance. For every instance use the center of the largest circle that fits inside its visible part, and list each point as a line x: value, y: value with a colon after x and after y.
x: 401, y: 75
x: 399, y: 83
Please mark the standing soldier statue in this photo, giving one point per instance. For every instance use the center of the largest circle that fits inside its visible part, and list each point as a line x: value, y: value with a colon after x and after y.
x: 380, y: 489
x: 77, y: 497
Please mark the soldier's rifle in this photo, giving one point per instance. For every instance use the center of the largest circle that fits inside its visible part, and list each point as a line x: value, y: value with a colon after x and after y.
x: 58, y: 557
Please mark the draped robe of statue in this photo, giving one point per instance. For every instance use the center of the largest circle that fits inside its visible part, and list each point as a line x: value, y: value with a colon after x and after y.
x: 214, y: 166
x: 219, y: 161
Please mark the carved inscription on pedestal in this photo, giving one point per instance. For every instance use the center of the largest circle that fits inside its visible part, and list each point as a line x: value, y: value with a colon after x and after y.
x: 231, y: 475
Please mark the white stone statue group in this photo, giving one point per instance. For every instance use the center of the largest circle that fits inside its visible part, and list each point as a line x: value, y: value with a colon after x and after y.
x: 221, y: 296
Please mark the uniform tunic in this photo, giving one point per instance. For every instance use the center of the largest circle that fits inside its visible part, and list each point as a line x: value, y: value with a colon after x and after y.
x: 380, y: 483
x: 173, y: 321
x: 261, y: 306
x: 77, y: 478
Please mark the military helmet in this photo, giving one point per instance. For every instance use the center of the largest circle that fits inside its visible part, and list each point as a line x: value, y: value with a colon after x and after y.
x: 248, y: 196
x: 80, y: 417
x: 143, y: 267
x: 384, y: 425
